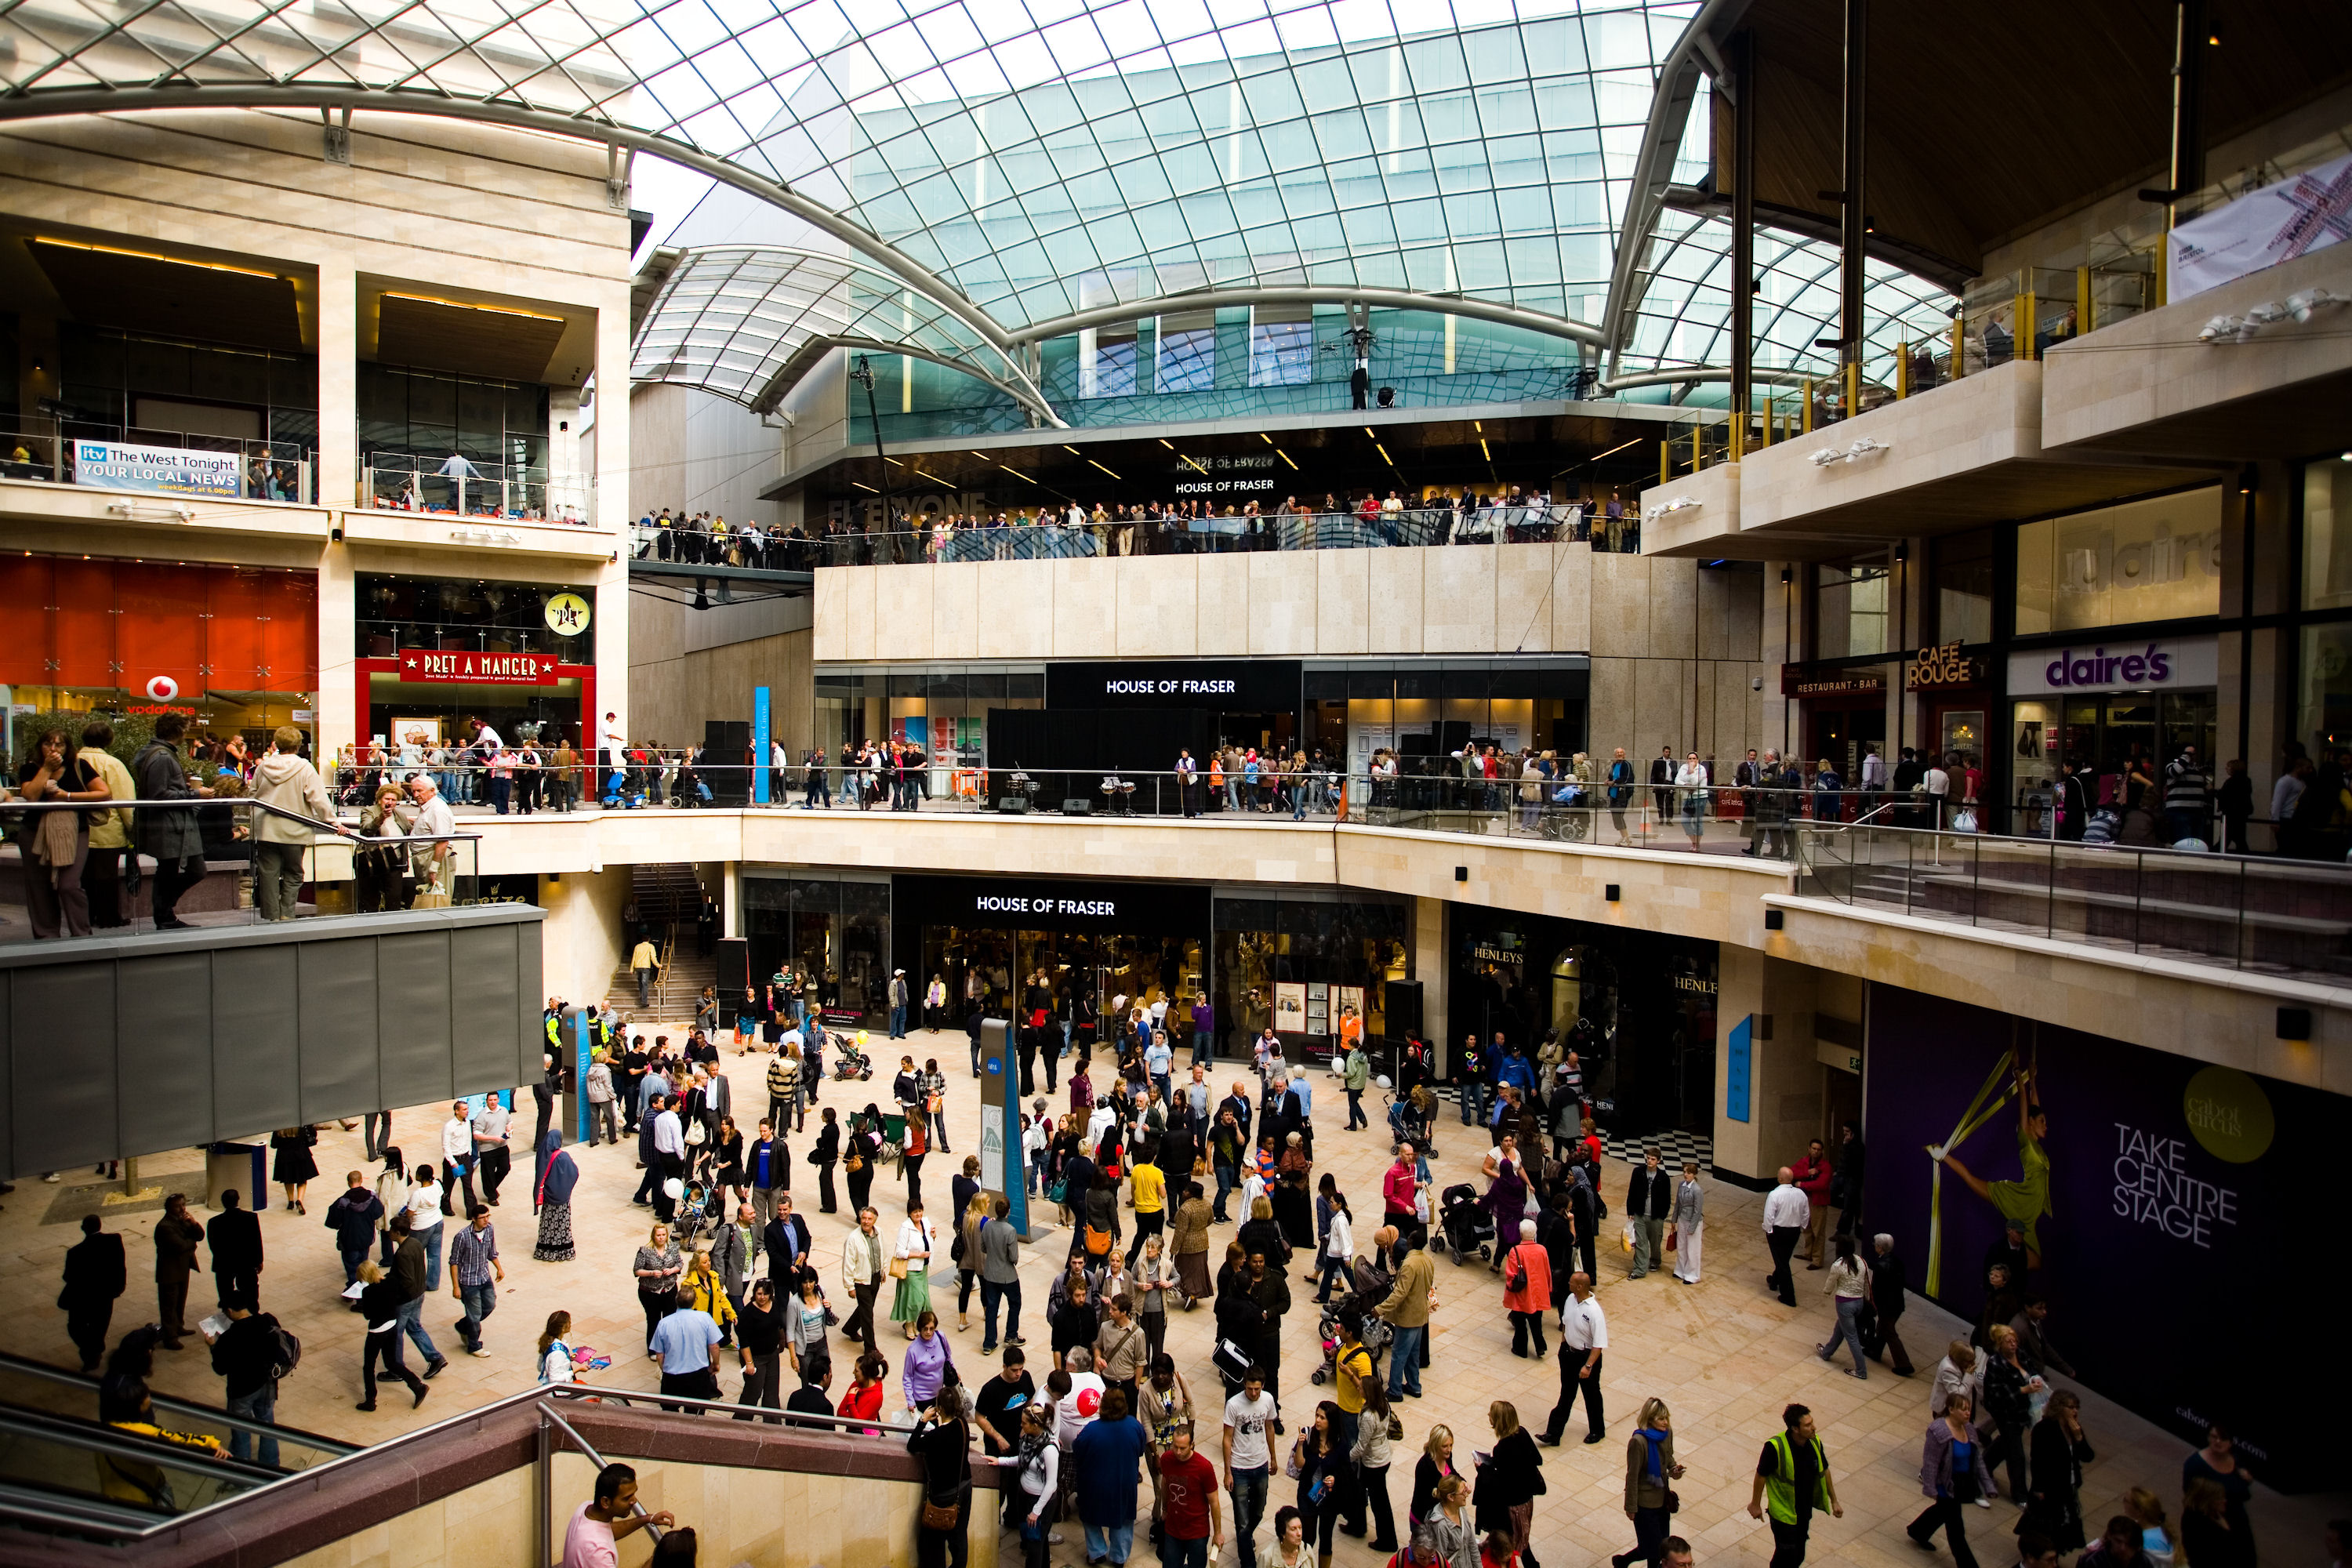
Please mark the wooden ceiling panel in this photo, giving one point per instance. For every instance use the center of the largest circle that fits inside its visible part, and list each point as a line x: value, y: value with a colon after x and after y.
x: 249, y: 308
x: 439, y: 334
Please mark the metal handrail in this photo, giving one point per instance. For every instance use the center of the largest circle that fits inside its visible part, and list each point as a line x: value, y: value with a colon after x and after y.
x: 335, y: 829
x: 840, y: 1425
x: 181, y: 1406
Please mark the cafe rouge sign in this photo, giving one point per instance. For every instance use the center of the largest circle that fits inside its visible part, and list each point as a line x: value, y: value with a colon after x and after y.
x: 464, y: 666
x: 1941, y: 668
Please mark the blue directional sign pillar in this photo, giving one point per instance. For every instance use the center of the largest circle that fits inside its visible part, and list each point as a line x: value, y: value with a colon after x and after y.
x: 577, y: 1020
x: 759, y: 745
x: 1000, y: 1173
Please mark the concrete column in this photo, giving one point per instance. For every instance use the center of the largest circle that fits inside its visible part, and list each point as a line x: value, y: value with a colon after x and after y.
x: 730, y: 899
x: 339, y: 413
x: 1429, y: 967
x: 342, y: 720
x: 2256, y: 708
x: 1783, y: 635
x: 1773, y: 1000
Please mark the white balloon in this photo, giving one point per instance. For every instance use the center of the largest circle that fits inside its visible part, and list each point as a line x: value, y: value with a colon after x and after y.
x: 1383, y: 1081
x: 675, y: 1188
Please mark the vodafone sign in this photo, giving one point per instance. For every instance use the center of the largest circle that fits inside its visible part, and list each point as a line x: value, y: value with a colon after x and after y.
x: 466, y: 668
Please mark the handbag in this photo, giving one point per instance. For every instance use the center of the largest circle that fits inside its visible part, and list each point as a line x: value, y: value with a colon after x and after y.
x: 1098, y: 1241
x: 945, y: 1515
x: 1965, y: 820
x: 1518, y: 1276
x: 696, y: 1137
x: 897, y: 1269
x: 1671, y: 1232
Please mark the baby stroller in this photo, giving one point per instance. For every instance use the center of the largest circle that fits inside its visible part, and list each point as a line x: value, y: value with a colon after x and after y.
x: 1412, y: 1119
x: 853, y: 1064
x: 1468, y: 1229
x: 1371, y: 1287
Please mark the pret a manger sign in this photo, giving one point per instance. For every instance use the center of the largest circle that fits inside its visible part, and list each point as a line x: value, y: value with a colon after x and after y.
x: 463, y: 667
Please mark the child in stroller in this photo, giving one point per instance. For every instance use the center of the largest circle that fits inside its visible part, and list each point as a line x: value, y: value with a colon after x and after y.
x: 1371, y: 1286
x: 1412, y: 1119
x: 1467, y: 1226
x: 854, y: 1064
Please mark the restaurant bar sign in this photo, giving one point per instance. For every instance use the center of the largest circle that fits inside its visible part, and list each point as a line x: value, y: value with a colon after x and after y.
x: 1803, y: 680
x: 158, y: 470
x: 1942, y: 668
x: 462, y: 667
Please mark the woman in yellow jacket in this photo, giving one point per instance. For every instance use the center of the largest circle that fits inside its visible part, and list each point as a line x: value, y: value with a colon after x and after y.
x: 705, y: 1291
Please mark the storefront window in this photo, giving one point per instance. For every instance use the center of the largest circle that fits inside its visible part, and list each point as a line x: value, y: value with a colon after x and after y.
x: 2119, y: 736
x: 2324, y: 711
x: 1850, y: 610
x: 435, y: 651
x: 836, y: 931
x: 2144, y: 561
x: 1963, y: 588
x: 1296, y: 963
x: 236, y: 647
x: 2326, y: 538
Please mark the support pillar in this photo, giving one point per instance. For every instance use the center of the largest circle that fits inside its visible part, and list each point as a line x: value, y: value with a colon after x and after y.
x: 1429, y: 967
x: 1854, y: 191
x: 1767, y: 1098
x: 1743, y: 239
x: 339, y: 385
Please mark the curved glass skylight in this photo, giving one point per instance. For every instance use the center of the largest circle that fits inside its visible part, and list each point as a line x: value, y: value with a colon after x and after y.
x: 733, y: 320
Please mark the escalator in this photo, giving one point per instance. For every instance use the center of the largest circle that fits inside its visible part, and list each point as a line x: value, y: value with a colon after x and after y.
x: 62, y: 1468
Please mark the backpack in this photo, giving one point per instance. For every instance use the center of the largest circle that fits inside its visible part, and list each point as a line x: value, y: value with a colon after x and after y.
x: 288, y: 1353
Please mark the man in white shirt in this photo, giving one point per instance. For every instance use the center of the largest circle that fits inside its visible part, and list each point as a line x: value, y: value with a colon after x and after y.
x: 1583, y: 1337
x: 1938, y: 785
x: 1249, y: 1459
x: 1786, y: 1214
x: 457, y: 1155
x: 433, y: 856
x: 779, y: 762
x: 492, y: 1158
x: 669, y: 1148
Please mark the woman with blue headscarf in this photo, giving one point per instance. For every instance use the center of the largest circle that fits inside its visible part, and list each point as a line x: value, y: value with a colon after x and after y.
x: 557, y: 1176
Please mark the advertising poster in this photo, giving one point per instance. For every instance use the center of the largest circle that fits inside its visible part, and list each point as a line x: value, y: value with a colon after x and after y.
x: 1289, y: 1006
x: 162, y: 470
x: 2145, y: 1183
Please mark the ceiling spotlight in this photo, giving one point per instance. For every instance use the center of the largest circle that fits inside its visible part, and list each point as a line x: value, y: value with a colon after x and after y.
x: 2225, y: 329
x: 2313, y: 302
x: 1863, y: 446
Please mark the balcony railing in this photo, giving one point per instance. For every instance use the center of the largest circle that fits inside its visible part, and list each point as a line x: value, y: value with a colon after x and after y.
x: 2267, y: 916
x: 1046, y: 539
x: 458, y: 487
x: 138, y: 460
x: 344, y: 868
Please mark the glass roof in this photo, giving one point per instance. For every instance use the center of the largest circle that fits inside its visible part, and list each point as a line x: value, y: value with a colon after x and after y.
x: 1684, y: 317
x: 729, y: 318
x: 998, y: 165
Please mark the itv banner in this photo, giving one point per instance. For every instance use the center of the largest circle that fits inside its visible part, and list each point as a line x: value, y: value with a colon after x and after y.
x: 2171, y: 1210
x: 162, y: 470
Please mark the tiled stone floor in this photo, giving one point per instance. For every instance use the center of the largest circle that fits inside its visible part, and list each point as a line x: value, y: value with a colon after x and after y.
x: 1723, y: 1354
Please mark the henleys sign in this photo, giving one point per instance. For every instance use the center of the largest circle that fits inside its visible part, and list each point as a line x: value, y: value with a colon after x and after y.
x: 462, y: 667
x: 2162, y: 664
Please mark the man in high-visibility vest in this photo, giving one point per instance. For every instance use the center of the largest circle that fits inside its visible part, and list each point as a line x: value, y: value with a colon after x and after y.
x: 1792, y: 1480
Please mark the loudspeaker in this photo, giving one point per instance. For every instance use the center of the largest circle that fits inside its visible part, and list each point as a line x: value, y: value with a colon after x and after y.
x: 1013, y: 805
x: 731, y: 976
x: 1404, y: 1008
x: 1076, y: 806
x: 726, y: 747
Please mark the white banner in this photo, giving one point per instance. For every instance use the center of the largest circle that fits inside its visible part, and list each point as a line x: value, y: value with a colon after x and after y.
x: 2278, y: 222
x: 168, y: 471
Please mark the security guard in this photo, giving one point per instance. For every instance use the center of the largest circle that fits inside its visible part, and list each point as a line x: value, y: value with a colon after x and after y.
x: 1792, y: 1480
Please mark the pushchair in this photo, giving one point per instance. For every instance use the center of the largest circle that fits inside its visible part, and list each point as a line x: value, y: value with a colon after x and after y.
x: 1370, y: 1284
x: 851, y: 1063
x: 1412, y: 1119
x: 1462, y: 1218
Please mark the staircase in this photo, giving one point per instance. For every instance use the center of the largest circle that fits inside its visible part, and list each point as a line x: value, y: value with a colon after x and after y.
x: 667, y: 899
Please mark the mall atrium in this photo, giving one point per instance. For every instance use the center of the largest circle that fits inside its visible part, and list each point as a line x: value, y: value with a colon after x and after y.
x: 1527, y: 584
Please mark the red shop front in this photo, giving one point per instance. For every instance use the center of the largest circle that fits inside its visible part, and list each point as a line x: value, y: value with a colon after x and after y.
x: 430, y: 692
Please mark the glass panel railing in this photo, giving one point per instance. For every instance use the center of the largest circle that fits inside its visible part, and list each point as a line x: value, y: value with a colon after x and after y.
x: 2279, y: 916
x: 159, y: 463
x: 460, y: 487
x: 1040, y: 537
x: 30, y: 1387
x: 242, y: 862
x: 74, y: 1464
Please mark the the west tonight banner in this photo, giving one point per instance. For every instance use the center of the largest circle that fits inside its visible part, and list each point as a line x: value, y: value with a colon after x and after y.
x: 166, y: 470
x: 2176, y: 1211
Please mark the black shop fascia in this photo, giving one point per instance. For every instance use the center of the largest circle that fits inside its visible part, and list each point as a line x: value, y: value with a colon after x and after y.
x: 1071, y: 947
x: 1136, y: 715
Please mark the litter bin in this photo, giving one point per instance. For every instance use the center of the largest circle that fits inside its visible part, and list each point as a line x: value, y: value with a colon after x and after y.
x: 241, y: 1168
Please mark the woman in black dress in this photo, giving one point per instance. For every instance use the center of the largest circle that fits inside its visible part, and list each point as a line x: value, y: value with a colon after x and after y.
x: 823, y: 1157
x: 862, y: 1143
x: 294, y: 1166
x: 727, y: 1149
